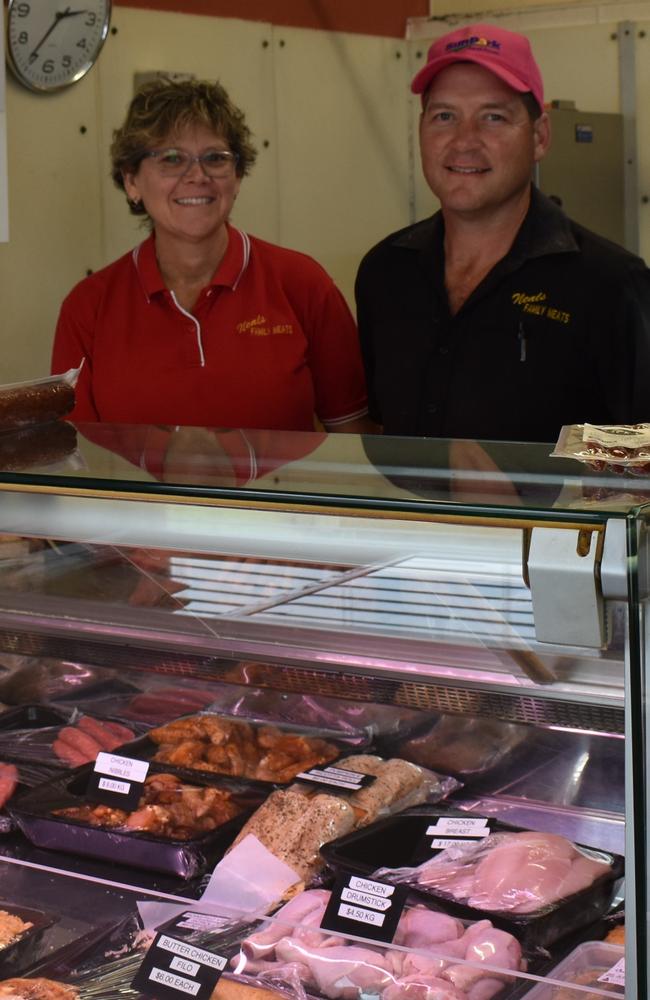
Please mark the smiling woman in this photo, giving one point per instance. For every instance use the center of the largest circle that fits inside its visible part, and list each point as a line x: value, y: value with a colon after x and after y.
x: 202, y: 324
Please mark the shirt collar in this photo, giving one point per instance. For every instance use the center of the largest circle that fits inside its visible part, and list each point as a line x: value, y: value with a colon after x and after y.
x: 545, y: 230
x: 228, y: 274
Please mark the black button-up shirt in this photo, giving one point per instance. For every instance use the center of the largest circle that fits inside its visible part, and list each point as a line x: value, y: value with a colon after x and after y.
x: 557, y: 333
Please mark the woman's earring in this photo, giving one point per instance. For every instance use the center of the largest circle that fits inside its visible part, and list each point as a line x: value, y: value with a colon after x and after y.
x: 134, y: 202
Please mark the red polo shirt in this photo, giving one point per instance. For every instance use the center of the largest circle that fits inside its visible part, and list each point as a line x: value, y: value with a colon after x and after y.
x: 270, y: 343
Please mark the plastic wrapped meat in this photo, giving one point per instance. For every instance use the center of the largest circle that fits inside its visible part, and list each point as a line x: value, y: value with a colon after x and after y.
x: 292, y: 945
x: 294, y: 823
x: 211, y: 743
x: 74, y: 744
x: 11, y: 928
x: 46, y: 680
x: 463, y: 746
x: 167, y: 808
x: 514, y: 872
x: 161, y: 704
x: 36, y: 989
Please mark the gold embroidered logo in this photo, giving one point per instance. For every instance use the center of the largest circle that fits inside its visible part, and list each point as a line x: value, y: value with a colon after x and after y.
x: 536, y: 304
x: 261, y: 327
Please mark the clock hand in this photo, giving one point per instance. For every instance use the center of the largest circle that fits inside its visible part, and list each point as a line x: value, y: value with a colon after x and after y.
x: 57, y: 17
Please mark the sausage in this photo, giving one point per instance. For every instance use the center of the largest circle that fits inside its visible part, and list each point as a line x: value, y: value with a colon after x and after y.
x: 99, y: 731
x: 67, y: 753
x: 121, y: 733
x: 81, y: 742
x: 8, y: 782
x: 168, y: 703
x: 35, y: 403
x: 36, y: 445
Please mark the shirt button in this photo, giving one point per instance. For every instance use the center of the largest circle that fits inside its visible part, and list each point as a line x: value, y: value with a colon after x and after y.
x: 443, y: 350
x: 432, y: 407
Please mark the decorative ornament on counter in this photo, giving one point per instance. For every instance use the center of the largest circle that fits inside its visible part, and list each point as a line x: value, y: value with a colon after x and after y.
x: 52, y: 44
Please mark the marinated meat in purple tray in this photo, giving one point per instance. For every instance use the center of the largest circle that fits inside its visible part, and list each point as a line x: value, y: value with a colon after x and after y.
x: 167, y: 808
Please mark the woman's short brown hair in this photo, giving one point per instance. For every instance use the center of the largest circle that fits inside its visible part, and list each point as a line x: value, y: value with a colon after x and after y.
x: 161, y: 108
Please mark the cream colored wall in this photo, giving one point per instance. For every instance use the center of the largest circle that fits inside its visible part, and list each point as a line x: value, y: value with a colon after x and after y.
x: 328, y: 114
x: 332, y: 117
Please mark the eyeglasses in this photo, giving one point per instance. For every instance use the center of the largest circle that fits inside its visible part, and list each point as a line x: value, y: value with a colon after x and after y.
x: 175, y: 162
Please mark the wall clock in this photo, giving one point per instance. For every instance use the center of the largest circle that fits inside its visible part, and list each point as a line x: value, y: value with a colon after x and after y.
x: 53, y: 43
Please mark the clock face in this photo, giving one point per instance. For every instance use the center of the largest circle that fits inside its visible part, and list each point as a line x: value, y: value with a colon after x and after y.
x: 53, y: 43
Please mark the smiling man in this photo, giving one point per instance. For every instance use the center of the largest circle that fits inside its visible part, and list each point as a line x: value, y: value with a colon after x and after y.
x: 498, y: 317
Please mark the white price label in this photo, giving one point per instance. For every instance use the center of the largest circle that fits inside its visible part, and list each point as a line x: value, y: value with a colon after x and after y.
x: 367, y: 885
x: 111, y: 785
x: 365, y: 899
x: 328, y: 779
x: 360, y: 915
x: 340, y: 772
x: 202, y: 922
x: 182, y: 965
x: 190, y: 952
x: 459, y: 826
x: 121, y: 767
x: 614, y: 975
x: 439, y: 844
x: 166, y: 978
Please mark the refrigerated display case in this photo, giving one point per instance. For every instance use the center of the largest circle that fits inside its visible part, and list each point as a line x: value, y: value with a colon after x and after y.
x: 477, y: 606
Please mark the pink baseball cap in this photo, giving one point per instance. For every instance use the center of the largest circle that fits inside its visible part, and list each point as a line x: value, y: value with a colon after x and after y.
x: 505, y: 53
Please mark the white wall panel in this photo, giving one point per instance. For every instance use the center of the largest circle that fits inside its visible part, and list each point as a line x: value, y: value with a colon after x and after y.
x: 54, y: 217
x: 343, y: 144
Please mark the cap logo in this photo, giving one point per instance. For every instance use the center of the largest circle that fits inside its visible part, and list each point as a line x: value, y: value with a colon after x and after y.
x: 475, y: 42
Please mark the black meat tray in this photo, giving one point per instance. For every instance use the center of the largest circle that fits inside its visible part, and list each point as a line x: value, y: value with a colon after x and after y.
x: 109, y: 957
x: 20, y: 953
x: 144, y: 748
x: 29, y: 775
x: 391, y: 843
x: 33, y: 717
x: 183, y: 858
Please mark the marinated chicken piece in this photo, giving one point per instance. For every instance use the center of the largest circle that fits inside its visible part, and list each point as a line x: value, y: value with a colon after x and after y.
x: 95, y: 815
x: 11, y: 928
x: 224, y: 746
x: 287, y: 754
x: 190, y: 728
x: 36, y: 989
x: 167, y: 808
x: 187, y: 753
